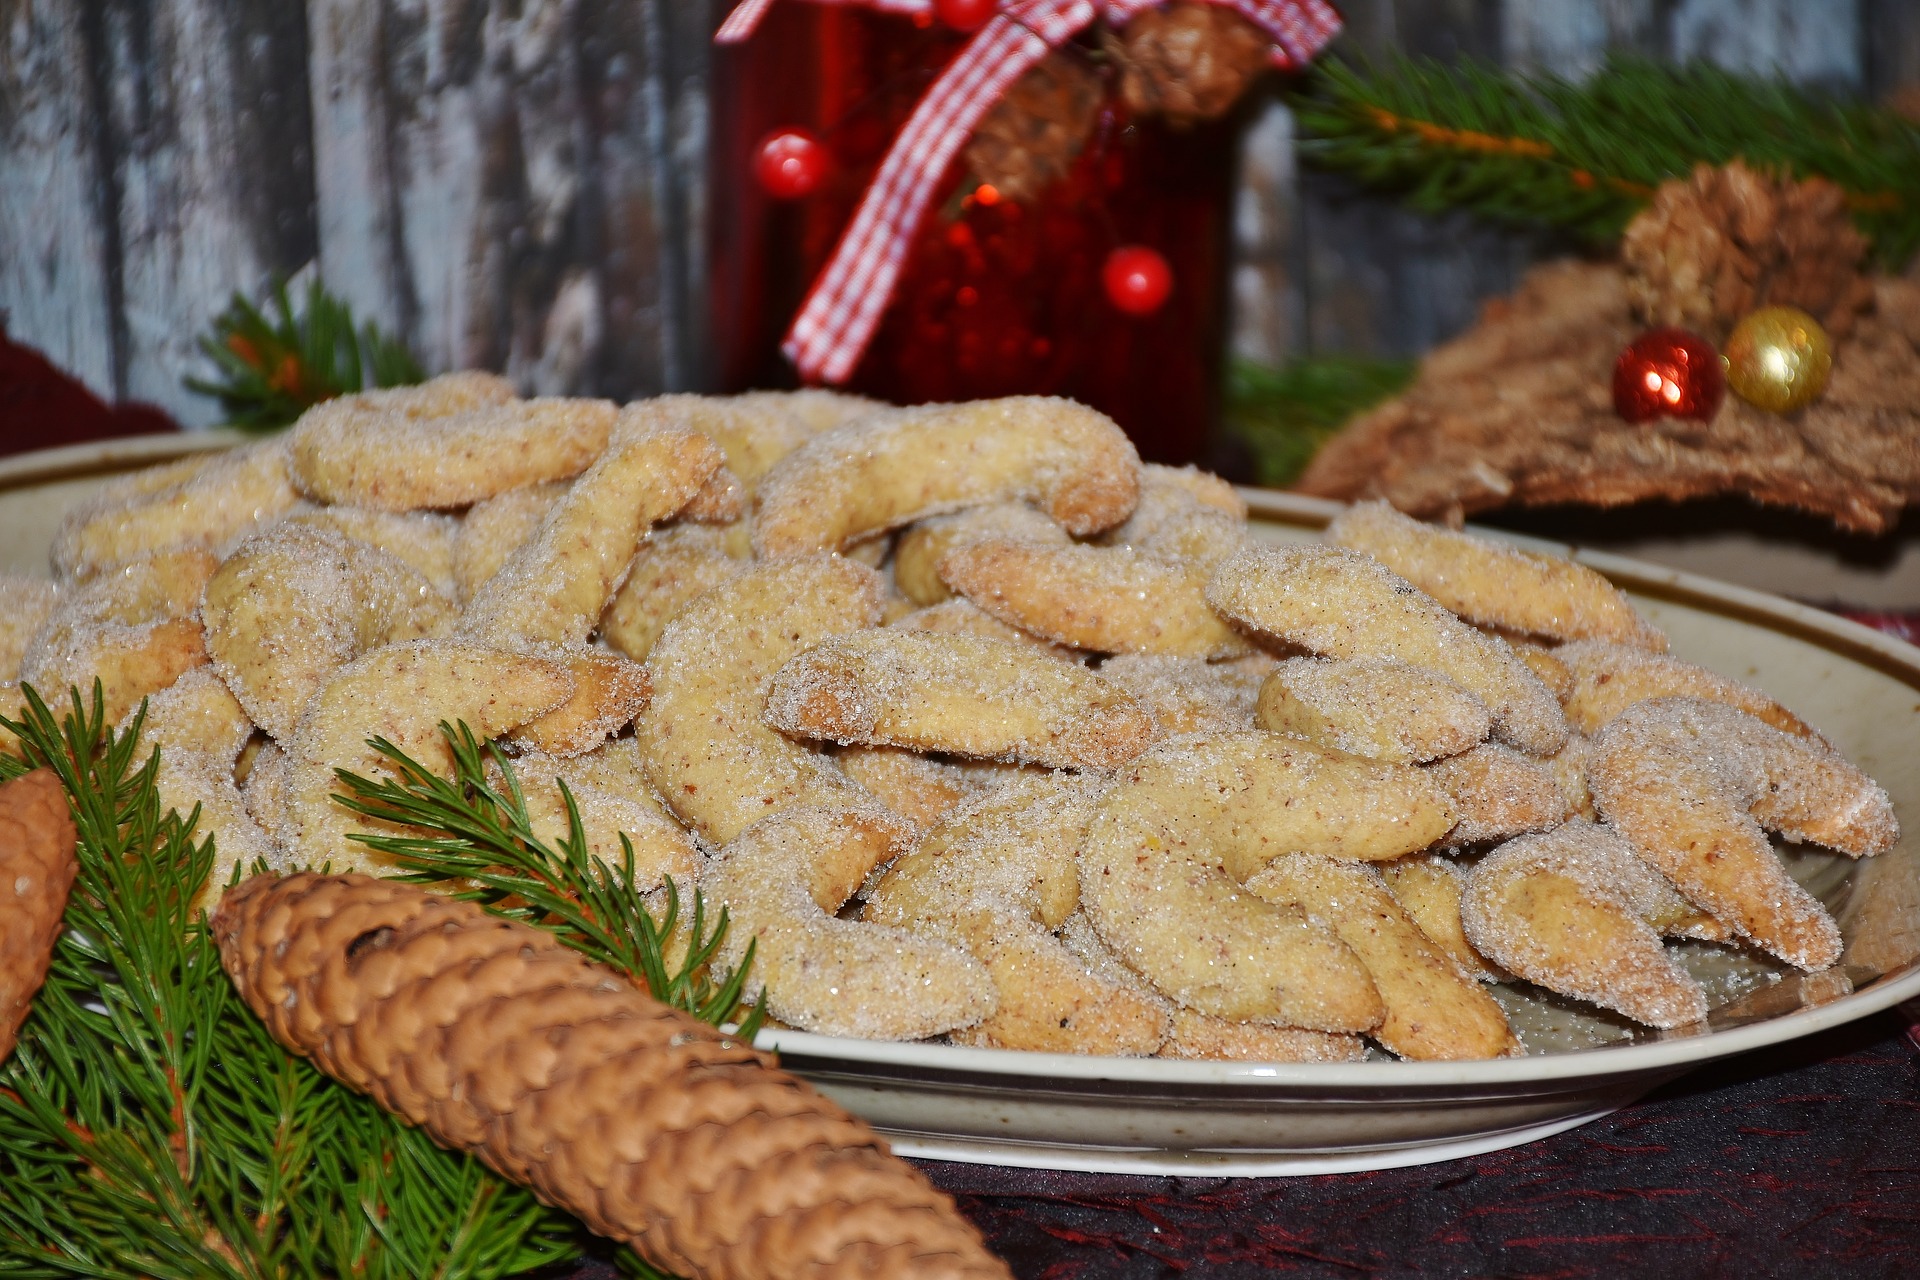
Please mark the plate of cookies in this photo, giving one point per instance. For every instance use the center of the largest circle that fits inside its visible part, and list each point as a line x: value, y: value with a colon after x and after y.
x: 1079, y: 813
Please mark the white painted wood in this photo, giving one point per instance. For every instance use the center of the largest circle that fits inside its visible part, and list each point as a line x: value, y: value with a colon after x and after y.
x: 186, y: 245
x: 1571, y: 38
x: 1266, y: 302
x: 1811, y: 41
x: 53, y: 248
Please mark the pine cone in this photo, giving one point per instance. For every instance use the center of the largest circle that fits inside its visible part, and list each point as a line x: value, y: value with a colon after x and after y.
x: 1035, y: 133
x: 1188, y: 62
x: 1715, y: 246
x: 37, y: 867
x: 651, y: 1126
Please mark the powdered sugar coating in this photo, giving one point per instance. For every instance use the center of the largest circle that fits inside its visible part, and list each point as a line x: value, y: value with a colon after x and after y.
x: 1194, y: 1035
x: 1342, y: 604
x: 1432, y: 1011
x: 673, y: 566
x: 421, y: 540
x: 1103, y: 599
x: 380, y: 450
x: 400, y: 692
x: 964, y: 695
x: 962, y: 617
x: 1495, y: 584
x: 558, y: 583
x: 135, y: 628
x: 781, y: 881
x: 1162, y: 866
x: 1609, y: 678
x: 205, y: 504
x: 1373, y: 707
x: 988, y: 879
x: 1568, y: 909
x: 920, y: 788
x: 1690, y: 783
x: 707, y: 748
x: 295, y: 604
x: 494, y: 528
x: 896, y: 467
x: 608, y: 692
x: 199, y: 730
x: 1191, y: 695
x: 661, y: 847
x: 1184, y: 514
x: 26, y: 605
x: 1498, y: 793
x: 922, y: 545
x: 1428, y: 887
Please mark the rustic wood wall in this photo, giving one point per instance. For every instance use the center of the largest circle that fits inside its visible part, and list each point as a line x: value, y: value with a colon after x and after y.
x: 518, y: 184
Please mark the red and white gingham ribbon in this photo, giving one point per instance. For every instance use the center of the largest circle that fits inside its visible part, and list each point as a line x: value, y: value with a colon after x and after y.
x: 846, y: 303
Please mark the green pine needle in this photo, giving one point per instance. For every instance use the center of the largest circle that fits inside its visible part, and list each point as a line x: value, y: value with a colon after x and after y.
x: 481, y: 835
x: 1284, y: 415
x: 149, y: 1125
x: 272, y: 368
x: 1585, y: 156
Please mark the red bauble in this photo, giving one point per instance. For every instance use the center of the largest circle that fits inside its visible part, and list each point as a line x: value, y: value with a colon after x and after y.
x: 1137, y: 279
x: 965, y: 15
x: 789, y: 163
x: 1668, y: 373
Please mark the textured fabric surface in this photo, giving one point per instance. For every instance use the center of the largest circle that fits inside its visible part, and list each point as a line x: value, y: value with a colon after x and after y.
x: 1801, y: 1161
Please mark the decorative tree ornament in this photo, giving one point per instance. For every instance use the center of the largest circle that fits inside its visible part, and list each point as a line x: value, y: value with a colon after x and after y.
x: 1137, y: 279
x: 789, y: 164
x: 1779, y: 359
x: 965, y: 15
x: 1668, y: 373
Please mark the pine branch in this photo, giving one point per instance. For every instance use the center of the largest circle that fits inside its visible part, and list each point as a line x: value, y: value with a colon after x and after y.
x: 271, y: 369
x: 1283, y: 415
x: 150, y: 1127
x: 1584, y: 157
x: 481, y: 835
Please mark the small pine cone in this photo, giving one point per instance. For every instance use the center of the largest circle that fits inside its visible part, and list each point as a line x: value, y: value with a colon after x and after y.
x: 1715, y: 246
x: 1188, y: 62
x: 1035, y: 133
x: 37, y: 867
x: 651, y: 1126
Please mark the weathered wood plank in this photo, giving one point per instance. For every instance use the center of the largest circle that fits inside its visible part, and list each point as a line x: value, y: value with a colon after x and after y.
x: 1893, y: 49
x: 1811, y: 43
x: 207, y: 130
x: 1266, y: 296
x: 1572, y: 37
x: 507, y: 182
x: 55, y: 267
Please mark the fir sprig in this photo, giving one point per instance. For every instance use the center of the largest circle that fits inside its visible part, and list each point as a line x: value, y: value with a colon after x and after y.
x: 1284, y: 414
x: 149, y: 1125
x: 479, y: 834
x: 1584, y: 157
x: 272, y: 368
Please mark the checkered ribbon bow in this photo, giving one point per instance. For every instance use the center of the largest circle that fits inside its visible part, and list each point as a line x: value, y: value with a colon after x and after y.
x: 844, y: 307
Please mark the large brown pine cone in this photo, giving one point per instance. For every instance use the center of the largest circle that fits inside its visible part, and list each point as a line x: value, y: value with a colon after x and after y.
x: 1712, y: 247
x: 1188, y: 62
x: 1034, y: 134
x: 651, y: 1127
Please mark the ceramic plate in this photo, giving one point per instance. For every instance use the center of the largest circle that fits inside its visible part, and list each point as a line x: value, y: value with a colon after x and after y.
x: 1153, y: 1116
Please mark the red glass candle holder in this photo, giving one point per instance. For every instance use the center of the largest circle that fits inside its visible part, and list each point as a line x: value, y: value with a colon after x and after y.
x: 998, y: 297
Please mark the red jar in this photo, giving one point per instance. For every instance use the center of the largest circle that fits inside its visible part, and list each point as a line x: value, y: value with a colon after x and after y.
x: 997, y: 297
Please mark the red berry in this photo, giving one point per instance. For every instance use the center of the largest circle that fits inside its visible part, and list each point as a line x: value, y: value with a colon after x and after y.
x: 965, y: 15
x: 789, y: 163
x: 1137, y: 279
x: 1668, y: 373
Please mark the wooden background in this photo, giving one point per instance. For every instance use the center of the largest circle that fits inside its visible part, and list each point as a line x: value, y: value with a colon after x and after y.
x: 519, y: 184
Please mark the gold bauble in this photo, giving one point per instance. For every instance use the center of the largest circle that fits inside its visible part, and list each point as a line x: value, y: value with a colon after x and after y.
x: 1778, y: 359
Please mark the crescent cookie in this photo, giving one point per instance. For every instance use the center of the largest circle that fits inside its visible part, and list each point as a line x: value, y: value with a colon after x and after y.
x: 900, y: 466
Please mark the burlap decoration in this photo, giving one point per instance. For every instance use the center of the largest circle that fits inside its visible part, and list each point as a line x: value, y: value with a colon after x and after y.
x: 37, y: 867
x: 1518, y: 412
x: 1187, y: 62
x: 652, y: 1127
x: 1715, y: 246
x: 1035, y: 133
